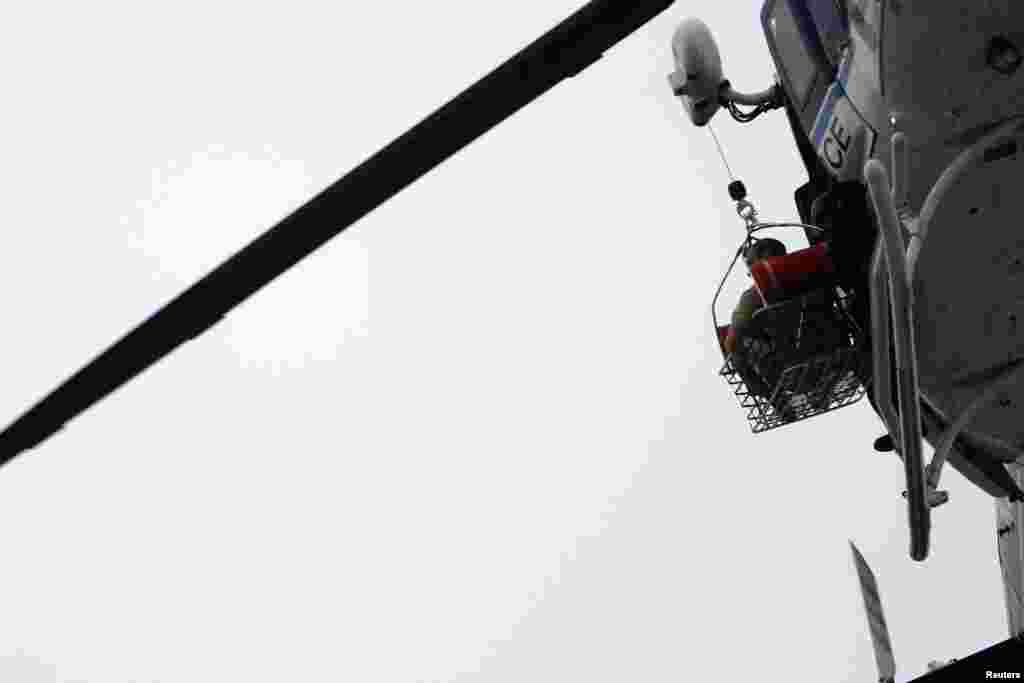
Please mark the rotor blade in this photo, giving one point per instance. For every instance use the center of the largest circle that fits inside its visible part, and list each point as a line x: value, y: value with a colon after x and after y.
x: 560, y: 53
x: 876, y: 619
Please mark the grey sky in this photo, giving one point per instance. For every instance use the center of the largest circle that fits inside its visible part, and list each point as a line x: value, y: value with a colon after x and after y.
x: 479, y: 437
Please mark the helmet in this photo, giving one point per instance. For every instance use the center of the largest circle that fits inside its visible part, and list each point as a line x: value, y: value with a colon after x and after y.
x: 763, y: 248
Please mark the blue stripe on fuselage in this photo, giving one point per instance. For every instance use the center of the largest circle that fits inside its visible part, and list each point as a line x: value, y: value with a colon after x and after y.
x: 835, y: 91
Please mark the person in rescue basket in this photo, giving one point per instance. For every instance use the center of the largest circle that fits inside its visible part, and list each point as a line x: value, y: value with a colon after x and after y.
x: 750, y: 353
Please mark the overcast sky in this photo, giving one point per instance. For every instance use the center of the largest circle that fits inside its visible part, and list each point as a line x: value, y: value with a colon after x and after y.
x: 481, y: 435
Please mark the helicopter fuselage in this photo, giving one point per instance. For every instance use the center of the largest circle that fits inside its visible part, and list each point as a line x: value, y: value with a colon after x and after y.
x: 942, y: 75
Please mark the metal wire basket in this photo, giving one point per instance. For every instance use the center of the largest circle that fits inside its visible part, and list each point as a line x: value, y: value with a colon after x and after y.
x: 798, y: 359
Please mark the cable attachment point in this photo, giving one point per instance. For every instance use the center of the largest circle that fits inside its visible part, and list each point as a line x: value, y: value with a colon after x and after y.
x: 748, y: 213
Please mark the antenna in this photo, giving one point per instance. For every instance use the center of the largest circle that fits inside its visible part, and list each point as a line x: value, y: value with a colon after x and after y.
x: 880, y: 640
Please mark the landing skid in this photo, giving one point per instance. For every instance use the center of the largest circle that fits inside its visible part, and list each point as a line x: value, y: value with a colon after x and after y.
x: 892, y: 291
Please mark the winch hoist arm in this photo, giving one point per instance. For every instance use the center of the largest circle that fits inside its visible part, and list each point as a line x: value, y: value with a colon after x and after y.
x: 562, y: 52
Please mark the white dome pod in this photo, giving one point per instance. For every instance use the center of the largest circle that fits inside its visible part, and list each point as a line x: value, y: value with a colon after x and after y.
x: 697, y: 80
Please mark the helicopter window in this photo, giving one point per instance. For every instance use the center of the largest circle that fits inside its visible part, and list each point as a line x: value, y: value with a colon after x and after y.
x: 832, y: 24
x: 794, y: 59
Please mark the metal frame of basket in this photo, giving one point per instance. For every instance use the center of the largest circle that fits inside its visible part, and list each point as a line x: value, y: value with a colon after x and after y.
x: 801, y: 384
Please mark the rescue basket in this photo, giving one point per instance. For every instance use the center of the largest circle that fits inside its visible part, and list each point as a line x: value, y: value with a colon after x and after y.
x: 803, y: 353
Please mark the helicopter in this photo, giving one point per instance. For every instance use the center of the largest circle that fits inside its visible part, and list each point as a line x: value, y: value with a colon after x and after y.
x: 890, y: 163
x: 43, y: 455
x: 855, y: 124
